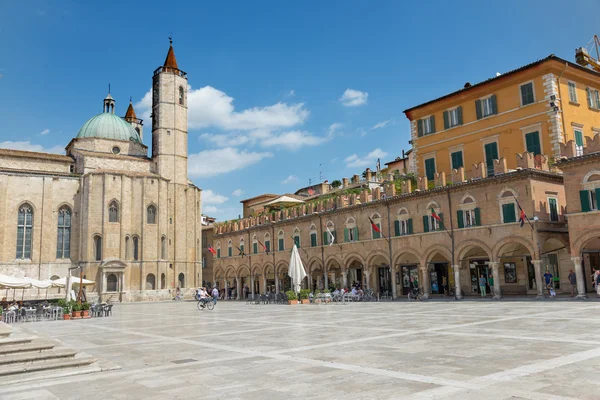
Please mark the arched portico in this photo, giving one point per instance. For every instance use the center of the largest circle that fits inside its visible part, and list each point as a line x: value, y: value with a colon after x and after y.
x: 435, y: 270
x: 520, y: 266
x: 473, y: 260
x: 407, y: 262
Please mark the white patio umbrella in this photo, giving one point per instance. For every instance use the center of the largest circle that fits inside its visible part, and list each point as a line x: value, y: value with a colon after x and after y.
x: 296, y: 270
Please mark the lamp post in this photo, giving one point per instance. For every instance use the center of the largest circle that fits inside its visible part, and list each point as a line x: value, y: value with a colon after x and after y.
x: 322, y: 247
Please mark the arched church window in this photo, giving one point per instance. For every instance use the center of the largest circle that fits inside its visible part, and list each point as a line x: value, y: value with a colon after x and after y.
x: 163, y: 248
x: 98, y: 247
x: 24, y: 231
x: 113, y: 212
x: 181, y: 95
x: 63, y: 243
x: 136, y: 248
x: 111, y: 283
x: 151, y: 217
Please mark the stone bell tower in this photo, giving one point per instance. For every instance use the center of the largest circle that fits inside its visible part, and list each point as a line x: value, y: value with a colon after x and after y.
x: 169, y: 120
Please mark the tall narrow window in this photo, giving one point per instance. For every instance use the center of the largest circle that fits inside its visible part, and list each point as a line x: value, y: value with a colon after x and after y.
x: 181, y: 95
x: 98, y: 247
x: 127, y: 248
x: 136, y: 248
x: 553, y: 205
x: 113, y: 212
x: 281, y: 242
x: 527, y: 95
x: 63, y: 242
x: 24, y: 231
x: 457, y: 159
x: 491, y: 154
x: 297, y: 237
x: 572, y: 92
x: 430, y: 168
x: 532, y: 143
x: 578, y: 142
x: 268, y: 242
x: 151, y: 217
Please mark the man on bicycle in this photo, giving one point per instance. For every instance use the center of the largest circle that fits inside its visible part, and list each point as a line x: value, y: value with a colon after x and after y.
x: 204, y: 297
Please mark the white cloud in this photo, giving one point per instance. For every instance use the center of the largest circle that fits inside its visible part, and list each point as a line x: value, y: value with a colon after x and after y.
x: 333, y: 128
x: 28, y: 146
x: 221, y: 161
x: 354, y: 160
x: 289, y: 179
x: 208, y: 106
x: 382, y: 124
x: 353, y: 98
x: 45, y: 131
x: 237, y: 192
x: 289, y: 140
x: 210, y: 209
x: 291, y: 93
x: 210, y: 197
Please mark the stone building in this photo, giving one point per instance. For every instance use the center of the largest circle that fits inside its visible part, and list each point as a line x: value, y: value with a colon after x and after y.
x: 130, y: 222
x: 481, y: 213
x: 207, y: 256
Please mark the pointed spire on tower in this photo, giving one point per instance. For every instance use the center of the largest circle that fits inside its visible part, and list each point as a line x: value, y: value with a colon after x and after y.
x: 170, y: 61
x: 130, y: 114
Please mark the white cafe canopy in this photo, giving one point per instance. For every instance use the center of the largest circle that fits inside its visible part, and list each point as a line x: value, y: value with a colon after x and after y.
x: 9, y: 282
x: 39, y: 284
x: 62, y: 282
x: 284, y: 199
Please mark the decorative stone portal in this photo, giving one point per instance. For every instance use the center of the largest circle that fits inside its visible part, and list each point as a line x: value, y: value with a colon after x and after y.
x: 112, y: 275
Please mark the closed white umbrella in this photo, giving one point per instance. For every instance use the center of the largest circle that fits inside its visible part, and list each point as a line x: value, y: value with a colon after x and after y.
x: 296, y: 270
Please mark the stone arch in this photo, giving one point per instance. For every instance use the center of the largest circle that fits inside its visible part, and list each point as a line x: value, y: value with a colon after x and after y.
x: 220, y: 272
x: 590, y: 174
x: 242, y: 269
x: 466, y: 197
x: 407, y: 250
x: 331, y: 258
x: 432, y: 204
x: 504, y: 191
x: 438, y: 248
x: 230, y: 272
x: 402, y: 210
x: 267, y: 266
x: 150, y: 281
x: 496, y: 251
x: 580, y: 243
x: 280, y: 265
x: 353, y: 257
x: 372, y: 255
x: 466, y: 245
x: 313, y: 264
x: 256, y: 270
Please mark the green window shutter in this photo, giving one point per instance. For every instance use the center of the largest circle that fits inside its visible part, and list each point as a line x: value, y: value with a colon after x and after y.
x: 584, y: 196
x: 441, y: 222
x: 218, y: 253
x: 410, y: 226
x: 425, y: 223
x: 588, y: 95
x: 325, y: 238
x: 229, y: 251
x: 420, y: 127
x: 478, y: 109
x: 532, y: 141
x: 397, y: 228
x: 597, y: 198
x: 459, y: 114
x: 477, y: 217
x: 356, y: 233
x: 457, y: 160
x: 313, y: 239
x: 346, y: 235
x: 281, y: 247
x: 268, y: 246
x: 494, y: 105
x: 297, y: 241
x: 579, y: 138
x: 255, y: 248
x: 459, y: 216
x: 553, y: 209
x: 508, y: 211
x: 446, y: 120
x: 527, y: 94
x: 432, y: 122
x: 242, y: 248
x: 491, y: 154
x: 430, y: 168
x: 335, y: 238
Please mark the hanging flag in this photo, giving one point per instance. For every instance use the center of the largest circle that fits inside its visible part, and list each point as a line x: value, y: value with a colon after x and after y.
x: 522, y: 216
x: 241, y: 251
x: 434, y: 215
x: 264, y: 247
x: 331, y: 237
x: 374, y: 226
x: 212, y: 250
x: 311, y: 191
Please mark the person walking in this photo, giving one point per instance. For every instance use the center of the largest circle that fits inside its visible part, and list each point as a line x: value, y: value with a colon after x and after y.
x: 491, y: 284
x: 482, y: 284
x: 573, y: 282
x: 548, y: 280
x: 597, y: 280
x: 215, y: 294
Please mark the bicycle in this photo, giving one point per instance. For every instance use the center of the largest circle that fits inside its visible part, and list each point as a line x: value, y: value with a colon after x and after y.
x: 415, y: 294
x: 206, y: 303
x: 369, y: 295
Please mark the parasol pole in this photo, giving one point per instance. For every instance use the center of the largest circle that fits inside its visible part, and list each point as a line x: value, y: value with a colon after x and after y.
x: 80, y: 283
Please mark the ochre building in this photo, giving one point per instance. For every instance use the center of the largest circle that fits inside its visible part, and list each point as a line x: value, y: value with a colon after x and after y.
x: 126, y: 220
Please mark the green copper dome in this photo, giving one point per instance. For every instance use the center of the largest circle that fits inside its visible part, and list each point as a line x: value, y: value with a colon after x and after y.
x: 108, y: 126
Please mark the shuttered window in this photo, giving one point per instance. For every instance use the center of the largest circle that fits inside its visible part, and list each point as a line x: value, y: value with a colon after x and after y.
x: 430, y: 168
x: 532, y: 142
x: 508, y: 213
x: 457, y: 159
x: 527, y: 96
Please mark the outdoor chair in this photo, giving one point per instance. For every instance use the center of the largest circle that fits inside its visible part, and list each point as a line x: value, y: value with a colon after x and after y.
x: 263, y: 298
x: 39, y: 313
x: 9, y: 317
x: 108, y: 310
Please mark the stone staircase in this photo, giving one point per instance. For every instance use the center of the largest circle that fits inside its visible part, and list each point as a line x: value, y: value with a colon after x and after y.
x: 26, y: 358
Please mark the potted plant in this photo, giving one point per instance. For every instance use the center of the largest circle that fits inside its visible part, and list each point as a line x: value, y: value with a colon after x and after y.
x: 76, y: 307
x: 304, y: 296
x: 292, y: 298
x: 65, y: 307
x: 85, y: 309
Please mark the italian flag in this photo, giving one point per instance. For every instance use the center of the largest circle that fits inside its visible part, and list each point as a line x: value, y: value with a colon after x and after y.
x: 434, y: 215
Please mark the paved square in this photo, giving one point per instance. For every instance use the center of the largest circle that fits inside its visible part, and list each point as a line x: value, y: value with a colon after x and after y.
x: 430, y: 350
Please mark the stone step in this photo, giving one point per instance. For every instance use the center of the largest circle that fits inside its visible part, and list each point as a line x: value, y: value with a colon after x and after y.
x: 32, y: 357
x: 7, y: 341
x: 48, y: 365
x: 32, y: 346
x: 5, y: 330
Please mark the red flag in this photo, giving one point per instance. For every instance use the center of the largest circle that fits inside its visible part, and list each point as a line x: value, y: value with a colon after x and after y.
x: 263, y: 246
x: 374, y: 226
x: 213, y: 251
x: 522, y: 217
x: 434, y: 215
x: 311, y: 191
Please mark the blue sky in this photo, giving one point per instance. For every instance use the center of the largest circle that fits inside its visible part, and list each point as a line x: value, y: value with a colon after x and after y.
x: 280, y: 90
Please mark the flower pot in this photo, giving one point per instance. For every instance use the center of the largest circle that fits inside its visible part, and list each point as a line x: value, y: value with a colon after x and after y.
x: 292, y: 302
x: 85, y: 314
x: 67, y: 316
x: 305, y: 301
x: 76, y: 314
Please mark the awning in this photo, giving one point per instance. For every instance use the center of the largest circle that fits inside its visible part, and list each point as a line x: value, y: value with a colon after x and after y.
x: 62, y: 282
x: 39, y: 284
x: 9, y: 282
x: 284, y: 199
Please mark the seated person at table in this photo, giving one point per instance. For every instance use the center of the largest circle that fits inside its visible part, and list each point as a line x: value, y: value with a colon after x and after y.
x: 13, y: 307
x: 360, y: 291
x: 354, y: 292
x: 4, y: 303
x: 337, y: 291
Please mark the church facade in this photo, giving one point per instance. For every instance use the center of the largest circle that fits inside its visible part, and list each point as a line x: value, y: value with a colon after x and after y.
x: 106, y: 209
